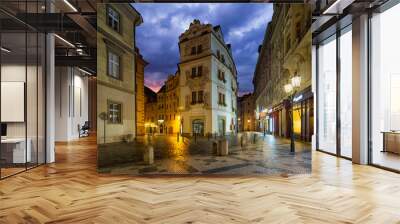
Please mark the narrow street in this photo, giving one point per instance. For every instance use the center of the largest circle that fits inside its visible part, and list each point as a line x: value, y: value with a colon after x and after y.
x: 268, y: 155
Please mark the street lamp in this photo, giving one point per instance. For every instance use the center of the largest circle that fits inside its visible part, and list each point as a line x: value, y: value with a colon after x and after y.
x: 291, y: 89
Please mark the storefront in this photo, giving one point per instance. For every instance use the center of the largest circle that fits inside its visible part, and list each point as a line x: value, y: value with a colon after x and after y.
x: 303, y: 115
x: 276, y: 120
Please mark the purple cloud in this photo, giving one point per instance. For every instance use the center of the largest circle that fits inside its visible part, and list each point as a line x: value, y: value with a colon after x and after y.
x: 243, y: 25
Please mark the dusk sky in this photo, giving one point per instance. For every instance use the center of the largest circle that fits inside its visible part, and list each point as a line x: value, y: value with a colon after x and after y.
x: 243, y: 26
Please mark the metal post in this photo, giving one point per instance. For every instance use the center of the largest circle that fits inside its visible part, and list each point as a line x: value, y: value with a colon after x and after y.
x: 292, y: 146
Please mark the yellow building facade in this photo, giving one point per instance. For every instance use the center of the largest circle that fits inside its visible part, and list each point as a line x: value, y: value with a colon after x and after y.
x: 116, y: 71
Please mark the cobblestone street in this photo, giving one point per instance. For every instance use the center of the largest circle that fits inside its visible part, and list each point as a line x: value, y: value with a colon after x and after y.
x: 267, y: 155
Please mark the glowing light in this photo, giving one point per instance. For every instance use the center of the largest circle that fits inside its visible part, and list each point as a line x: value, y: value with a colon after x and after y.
x: 296, y: 81
x: 298, y: 98
x: 70, y: 5
x: 65, y: 41
x: 5, y: 50
x: 288, y: 88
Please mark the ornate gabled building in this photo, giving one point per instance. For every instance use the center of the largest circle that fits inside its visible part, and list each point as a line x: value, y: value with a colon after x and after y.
x: 208, y: 81
x: 150, y: 111
x: 246, y: 113
x: 284, y: 53
x: 168, y: 101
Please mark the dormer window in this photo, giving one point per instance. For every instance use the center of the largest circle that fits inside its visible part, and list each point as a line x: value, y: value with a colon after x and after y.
x: 113, y: 19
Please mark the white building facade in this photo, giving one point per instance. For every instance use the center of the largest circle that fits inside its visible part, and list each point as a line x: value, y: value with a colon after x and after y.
x: 208, y: 82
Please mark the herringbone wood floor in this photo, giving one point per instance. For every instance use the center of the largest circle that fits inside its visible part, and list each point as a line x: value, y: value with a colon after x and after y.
x: 71, y: 191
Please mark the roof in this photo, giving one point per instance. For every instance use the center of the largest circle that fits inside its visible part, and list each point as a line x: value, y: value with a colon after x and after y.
x: 150, y: 95
x: 162, y: 89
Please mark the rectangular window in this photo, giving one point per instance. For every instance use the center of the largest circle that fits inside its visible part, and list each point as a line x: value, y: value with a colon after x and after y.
x: 113, y: 65
x: 193, y: 72
x: 327, y: 96
x: 113, y: 19
x: 199, y: 70
x: 346, y: 94
x: 385, y: 89
x: 114, y: 113
x: 218, y: 54
x: 200, y: 97
x: 199, y: 49
x: 193, y: 52
x: 221, y: 99
x: 193, y: 97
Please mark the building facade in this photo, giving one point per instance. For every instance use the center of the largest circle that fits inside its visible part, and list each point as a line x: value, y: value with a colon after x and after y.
x: 208, y: 81
x: 151, y: 111
x: 246, y: 113
x: 285, y: 53
x: 171, y: 103
x: 140, y: 98
x: 116, y: 71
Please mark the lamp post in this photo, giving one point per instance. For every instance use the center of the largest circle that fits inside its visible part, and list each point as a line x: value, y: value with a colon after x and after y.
x: 291, y: 89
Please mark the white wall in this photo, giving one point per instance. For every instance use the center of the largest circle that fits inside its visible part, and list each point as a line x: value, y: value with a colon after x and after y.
x: 71, y: 93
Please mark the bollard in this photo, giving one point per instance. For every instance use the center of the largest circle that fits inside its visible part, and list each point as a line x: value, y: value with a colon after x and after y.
x: 215, y: 147
x: 148, y: 156
x: 254, y: 138
x: 223, y: 147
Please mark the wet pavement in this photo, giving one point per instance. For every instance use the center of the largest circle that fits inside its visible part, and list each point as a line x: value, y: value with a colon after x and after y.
x: 263, y: 155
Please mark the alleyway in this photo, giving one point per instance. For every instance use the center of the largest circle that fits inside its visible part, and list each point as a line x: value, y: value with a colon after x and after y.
x: 268, y: 155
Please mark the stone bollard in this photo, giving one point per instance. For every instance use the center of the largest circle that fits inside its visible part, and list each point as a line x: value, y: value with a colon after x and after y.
x: 254, y: 138
x: 223, y: 147
x: 215, y: 147
x: 148, y: 156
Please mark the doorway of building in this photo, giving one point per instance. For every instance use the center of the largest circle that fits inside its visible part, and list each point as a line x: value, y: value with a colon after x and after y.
x: 221, y: 126
x: 198, y: 127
